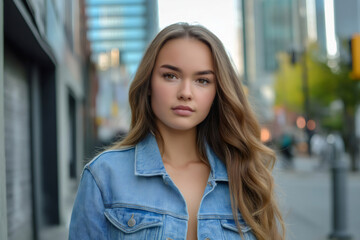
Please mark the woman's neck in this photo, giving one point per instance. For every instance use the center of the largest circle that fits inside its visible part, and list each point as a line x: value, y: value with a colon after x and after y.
x: 179, y: 147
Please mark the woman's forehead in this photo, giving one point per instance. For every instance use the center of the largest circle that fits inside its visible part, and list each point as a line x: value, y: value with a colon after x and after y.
x: 186, y: 52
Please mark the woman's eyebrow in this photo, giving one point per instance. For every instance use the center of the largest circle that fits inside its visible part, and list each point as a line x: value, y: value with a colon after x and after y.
x: 171, y: 67
x: 205, y: 72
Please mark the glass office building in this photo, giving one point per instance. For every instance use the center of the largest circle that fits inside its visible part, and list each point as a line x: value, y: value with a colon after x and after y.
x: 119, y: 32
x: 126, y: 25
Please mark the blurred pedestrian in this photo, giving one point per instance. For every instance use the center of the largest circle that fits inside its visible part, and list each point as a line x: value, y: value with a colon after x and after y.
x: 321, y: 149
x: 192, y: 161
x: 286, y: 147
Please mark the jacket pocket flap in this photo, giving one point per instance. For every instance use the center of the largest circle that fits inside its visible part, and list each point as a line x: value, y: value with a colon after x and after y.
x: 231, y: 225
x: 132, y: 220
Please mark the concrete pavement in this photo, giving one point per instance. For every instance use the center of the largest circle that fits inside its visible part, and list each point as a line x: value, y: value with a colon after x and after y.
x: 305, y: 198
x: 60, y: 232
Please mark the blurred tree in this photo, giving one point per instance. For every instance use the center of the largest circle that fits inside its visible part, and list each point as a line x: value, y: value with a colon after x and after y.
x: 329, y: 82
x: 288, y: 84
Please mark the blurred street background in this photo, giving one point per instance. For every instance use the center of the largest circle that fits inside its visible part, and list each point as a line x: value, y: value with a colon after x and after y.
x: 65, y: 70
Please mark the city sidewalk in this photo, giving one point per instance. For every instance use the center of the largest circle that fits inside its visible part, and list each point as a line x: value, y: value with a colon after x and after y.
x: 306, y: 202
x: 60, y: 232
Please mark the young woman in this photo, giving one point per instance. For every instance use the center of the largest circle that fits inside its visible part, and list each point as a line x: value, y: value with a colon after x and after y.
x: 192, y: 165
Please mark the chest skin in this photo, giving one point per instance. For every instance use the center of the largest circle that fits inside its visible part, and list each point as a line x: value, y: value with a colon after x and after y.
x: 191, y: 180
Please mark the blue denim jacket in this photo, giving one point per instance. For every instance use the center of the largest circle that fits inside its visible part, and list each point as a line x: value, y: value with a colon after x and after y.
x: 127, y: 194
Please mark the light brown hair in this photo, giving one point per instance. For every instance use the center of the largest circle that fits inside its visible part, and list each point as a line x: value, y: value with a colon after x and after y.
x: 230, y: 129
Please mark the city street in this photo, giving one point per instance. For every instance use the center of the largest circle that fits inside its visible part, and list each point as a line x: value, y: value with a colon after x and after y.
x: 75, y: 76
x: 305, y: 198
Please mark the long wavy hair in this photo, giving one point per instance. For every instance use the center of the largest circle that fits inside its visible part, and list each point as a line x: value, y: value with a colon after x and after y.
x: 230, y: 129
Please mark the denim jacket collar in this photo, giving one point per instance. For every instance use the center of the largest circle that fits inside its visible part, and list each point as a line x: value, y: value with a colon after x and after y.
x: 148, y: 161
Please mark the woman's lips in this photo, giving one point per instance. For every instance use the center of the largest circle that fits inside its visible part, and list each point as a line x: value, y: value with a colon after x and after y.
x: 182, y: 110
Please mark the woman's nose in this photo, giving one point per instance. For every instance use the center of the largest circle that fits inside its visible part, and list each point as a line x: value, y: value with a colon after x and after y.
x: 185, y: 90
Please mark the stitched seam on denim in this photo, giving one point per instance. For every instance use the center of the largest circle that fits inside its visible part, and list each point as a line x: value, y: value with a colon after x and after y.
x: 108, y: 151
x: 244, y: 228
x: 150, y: 174
x: 216, y: 216
x: 135, y: 159
x: 207, y: 193
x: 223, y: 233
x: 97, y: 182
x: 140, y: 207
x: 164, y: 227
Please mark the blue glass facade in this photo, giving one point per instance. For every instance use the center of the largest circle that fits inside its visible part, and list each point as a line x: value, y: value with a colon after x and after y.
x: 278, y: 30
x: 126, y: 25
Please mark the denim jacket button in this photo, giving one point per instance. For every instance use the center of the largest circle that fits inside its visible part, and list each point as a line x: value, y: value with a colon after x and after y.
x: 207, y: 238
x: 168, y: 238
x: 131, y: 221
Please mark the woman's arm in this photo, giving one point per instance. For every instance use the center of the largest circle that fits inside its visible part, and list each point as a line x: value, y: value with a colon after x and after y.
x: 88, y: 219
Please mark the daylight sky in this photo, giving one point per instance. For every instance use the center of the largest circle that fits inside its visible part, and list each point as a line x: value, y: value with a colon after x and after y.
x: 219, y: 16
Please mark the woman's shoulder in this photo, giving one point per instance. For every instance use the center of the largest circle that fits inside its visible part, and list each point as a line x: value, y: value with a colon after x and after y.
x: 112, y: 158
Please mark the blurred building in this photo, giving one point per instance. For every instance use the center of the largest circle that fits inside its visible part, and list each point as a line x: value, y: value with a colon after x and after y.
x: 45, y: 65
x: 268, y: 27
x: 125, y: 25
x: 3, y: 211
x: 119, y: 32
x: 347, y: 24
x: 347, y: 18
x: 321, y: 31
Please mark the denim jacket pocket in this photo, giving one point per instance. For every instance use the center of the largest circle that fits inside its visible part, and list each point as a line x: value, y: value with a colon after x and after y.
x: 231, y: 232
x: 134, y: 223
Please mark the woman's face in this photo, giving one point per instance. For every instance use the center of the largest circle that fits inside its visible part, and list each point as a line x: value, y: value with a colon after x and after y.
x: 183, y: 84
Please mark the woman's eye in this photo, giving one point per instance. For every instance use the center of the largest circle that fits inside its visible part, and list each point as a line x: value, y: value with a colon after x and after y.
x: 169, y: 76
x: 203, y: 81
